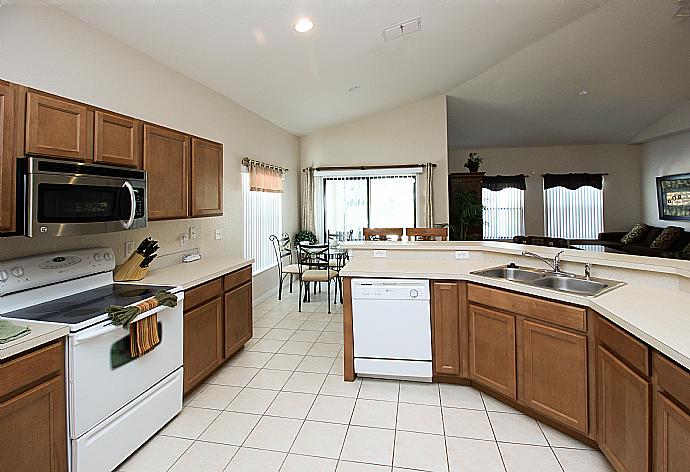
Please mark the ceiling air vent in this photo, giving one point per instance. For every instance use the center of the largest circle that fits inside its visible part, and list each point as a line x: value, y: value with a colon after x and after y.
x: 402, y: 29
x: 683, y: 9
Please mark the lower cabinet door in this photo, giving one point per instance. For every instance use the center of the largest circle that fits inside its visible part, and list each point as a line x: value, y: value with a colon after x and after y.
x: 492, y: 349
x: 33, y: 430
x: 238, y: 318
x: 672, y: 436
x: 623, y: 406
x: 203, y: 342
x: 553, y: 369
x: 446, y: 324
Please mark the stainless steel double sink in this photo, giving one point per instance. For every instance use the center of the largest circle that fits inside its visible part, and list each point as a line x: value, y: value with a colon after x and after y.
x: 557, y: 281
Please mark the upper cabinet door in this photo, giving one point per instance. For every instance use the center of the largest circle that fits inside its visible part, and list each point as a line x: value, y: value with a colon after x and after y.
x: 117, y: 140
x: 56, y: 127
x: 166, y: 159
x: 207, y: 178
x: 7, y: 159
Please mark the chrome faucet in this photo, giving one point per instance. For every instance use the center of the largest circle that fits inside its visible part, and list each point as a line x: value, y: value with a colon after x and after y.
x: 555, y: 264
x: 588, y: 271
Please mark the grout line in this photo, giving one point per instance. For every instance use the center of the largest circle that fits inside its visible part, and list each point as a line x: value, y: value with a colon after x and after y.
x: 500, y: 453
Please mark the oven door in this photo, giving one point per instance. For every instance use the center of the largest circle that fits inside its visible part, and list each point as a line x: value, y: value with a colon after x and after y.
x: 67, y: 205
x: 102, y: 376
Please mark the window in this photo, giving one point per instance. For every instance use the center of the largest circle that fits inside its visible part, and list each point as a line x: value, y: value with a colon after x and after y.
x: 504, y: 213
x: 573, y: 206
x: 355, y: 200
x: 262, y: 214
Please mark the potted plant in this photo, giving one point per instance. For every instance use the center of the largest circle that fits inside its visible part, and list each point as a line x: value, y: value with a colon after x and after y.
x: 468, y: 215
x: 305, y: 235
x: 473, y: 162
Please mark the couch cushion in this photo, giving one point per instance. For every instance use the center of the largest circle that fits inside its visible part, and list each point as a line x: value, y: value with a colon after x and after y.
x: 685, y: 252
x: 667, y: 238
x: 635, y: 234
x: 640, y: 250
x: 681, y: 243
x: 652, y: 233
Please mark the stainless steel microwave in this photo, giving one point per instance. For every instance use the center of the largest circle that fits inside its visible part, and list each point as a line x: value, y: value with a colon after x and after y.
x: 65, y: 198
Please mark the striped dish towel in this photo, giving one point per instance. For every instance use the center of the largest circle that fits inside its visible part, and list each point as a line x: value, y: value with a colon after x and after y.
x: 143, y: 336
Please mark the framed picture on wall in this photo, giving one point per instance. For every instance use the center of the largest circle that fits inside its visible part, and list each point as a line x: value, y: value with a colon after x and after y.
x: 673, y: 194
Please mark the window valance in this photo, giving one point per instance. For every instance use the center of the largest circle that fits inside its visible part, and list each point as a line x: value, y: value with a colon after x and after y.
x: 574, y: 181
x: 499, y: 182
x: 264, y: 177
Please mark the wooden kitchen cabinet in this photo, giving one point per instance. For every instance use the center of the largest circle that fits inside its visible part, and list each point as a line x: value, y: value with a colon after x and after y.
x: 33, y: 419
x: 552, y: 367
x: 624, y: 413
x: 449, y: 330
x: 203, y: 341
x: 7, y: 158
x: 58, y: 127
x: 117, y: 140
x: 238, y: 318
x: 492, y: 350
x: 207, y: 178
x: 166, y: 159
x: 671, y: 416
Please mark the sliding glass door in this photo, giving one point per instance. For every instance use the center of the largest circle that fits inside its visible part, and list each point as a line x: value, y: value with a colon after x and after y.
x: 354, y: 203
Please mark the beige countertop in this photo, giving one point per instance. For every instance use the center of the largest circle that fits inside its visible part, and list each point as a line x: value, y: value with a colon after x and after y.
x: 658, y: 316
x: 41, y: 333
x: 191, y: 274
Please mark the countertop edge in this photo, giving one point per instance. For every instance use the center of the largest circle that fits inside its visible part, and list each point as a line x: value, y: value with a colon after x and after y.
x: 28, y: 342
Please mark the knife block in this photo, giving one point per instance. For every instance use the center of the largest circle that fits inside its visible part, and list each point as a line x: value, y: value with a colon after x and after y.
x: 130, y: 270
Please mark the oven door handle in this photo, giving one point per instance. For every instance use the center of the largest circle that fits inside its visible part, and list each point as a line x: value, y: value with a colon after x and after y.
x: 90, y: 334
x: 133, y: 208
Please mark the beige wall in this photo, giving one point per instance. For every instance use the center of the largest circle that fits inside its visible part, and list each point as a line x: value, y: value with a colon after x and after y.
x: 622, y: 205
x: 410, y: 134
x: 45, y: 48
x: 665, y: 156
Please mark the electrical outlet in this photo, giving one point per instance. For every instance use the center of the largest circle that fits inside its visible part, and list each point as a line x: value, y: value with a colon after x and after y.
x: 192, y: 232
x: 380, y: 253
x: 219, y: 234
x: 462, y: 254
x: 184, y: 239
x: 129, y: 248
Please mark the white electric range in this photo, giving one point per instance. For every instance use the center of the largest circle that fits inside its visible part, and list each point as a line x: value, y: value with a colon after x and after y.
x: 115, y: 403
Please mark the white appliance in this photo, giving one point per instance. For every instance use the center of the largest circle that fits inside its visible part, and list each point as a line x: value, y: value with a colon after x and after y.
x: 115, y: 402
x: 391, y: 323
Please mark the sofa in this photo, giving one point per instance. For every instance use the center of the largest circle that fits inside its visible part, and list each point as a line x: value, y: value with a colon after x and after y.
x: 643, y: 246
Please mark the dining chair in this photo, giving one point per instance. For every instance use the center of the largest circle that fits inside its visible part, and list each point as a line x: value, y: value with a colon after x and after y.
x: 427, y: 234
x: 313, y: 261
x: 382, y: 234
x: 283, y: 250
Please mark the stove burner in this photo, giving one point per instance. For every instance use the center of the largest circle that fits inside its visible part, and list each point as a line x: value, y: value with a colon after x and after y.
x: 137, y: 293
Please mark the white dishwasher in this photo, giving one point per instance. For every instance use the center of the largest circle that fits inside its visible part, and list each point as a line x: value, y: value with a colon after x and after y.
x: 391, y: 324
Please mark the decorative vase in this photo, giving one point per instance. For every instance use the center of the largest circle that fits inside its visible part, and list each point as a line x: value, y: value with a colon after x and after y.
x: 473, y: 168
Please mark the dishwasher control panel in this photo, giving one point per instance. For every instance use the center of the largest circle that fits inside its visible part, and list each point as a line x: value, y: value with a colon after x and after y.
x: 390, y: 289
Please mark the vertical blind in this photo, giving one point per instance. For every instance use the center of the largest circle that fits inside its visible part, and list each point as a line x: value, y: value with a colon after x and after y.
x: 356, y: 202
x: 504, y: 213
x: 574, y: 214
x: 262, y: 216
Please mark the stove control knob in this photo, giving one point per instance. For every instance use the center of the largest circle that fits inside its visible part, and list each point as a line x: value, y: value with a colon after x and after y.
x: 4, y: 276
x: 108, y: 256
x: 17, y: 271
x: 97, y: 257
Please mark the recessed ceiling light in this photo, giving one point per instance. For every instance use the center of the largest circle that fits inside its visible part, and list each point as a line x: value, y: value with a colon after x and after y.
x: 354, y: 88
x: 303, y: 25
x: 582, y: 93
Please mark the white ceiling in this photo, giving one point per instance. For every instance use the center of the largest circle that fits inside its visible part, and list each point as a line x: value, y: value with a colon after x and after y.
x: 513, y: 67
x: 632, y: 56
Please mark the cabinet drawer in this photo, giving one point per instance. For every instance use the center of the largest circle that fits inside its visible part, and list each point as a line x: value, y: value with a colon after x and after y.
x: 198, y: 295
x: 672, y: 379
x: 237, y: 278
x: 30, y: 368
x: 632, y: 351
x: 552, y: 312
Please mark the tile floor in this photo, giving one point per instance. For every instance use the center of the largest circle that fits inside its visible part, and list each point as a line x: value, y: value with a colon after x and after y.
x: 281, y: 405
